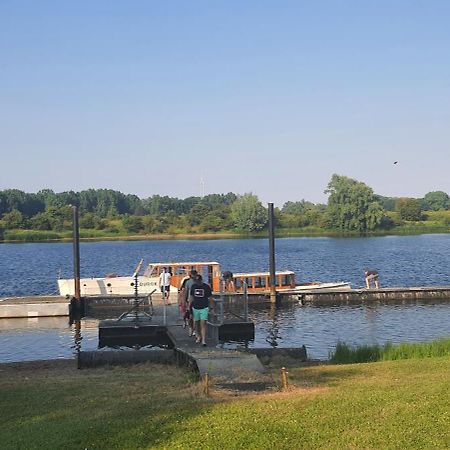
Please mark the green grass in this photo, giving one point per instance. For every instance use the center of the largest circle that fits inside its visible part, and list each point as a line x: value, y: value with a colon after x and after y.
x: 345, y: 354
x: 34, y: 235
x: 390, y: 404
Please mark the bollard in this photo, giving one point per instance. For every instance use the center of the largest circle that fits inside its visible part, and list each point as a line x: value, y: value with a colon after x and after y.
x: 284, y: 378
x: 206, y: 384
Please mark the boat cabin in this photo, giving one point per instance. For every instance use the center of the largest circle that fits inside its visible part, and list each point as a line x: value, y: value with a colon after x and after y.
x: 260, y: 281
x: 210, y: 272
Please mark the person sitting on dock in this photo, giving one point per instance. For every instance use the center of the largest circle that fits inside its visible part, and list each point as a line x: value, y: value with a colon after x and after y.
x: 200, y: 295
x: 372, y: 277
x: 164, y: 284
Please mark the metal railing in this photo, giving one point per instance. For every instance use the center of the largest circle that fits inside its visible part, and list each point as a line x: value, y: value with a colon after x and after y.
x: 229, y: 306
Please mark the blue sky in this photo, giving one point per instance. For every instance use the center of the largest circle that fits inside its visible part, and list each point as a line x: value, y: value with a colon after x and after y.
x: 266, y: 97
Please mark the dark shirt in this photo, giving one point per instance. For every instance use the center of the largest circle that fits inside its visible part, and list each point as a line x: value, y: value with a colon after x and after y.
x: 200, y: 293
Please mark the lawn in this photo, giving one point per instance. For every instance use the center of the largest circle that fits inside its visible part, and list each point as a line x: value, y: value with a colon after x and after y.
x: 391, y: 404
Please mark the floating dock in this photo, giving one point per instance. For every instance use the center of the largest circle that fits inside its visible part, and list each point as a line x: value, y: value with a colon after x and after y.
x: 383, y: 295
x: 34, y: 306
x: 165, y: 329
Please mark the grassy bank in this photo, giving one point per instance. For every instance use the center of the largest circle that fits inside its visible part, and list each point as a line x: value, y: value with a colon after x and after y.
x: 345, y: 354
x: 391, y: 404
x: 90, y: 234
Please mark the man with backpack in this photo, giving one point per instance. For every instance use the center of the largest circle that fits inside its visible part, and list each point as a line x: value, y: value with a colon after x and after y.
x: 200, y: 294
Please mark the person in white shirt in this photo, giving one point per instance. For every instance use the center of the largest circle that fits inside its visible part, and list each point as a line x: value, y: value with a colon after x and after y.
x: 164, y: 284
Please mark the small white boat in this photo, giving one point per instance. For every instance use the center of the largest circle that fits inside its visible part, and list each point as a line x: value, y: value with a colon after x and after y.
x: 113, y: 284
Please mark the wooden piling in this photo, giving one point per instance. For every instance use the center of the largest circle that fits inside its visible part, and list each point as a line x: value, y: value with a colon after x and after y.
x: 284, y: 378
x: 206, y: 384
x: 272, y: 279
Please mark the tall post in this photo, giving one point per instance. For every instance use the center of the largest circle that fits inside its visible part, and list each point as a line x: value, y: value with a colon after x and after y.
x: 272, y: 281
x: 76, y: 253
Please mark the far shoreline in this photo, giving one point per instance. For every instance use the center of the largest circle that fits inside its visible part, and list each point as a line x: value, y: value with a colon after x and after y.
x: 231, y: 235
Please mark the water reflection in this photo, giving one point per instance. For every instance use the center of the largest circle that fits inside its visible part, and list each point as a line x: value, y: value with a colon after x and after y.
x: 273, y: 334
x: 77, y: 339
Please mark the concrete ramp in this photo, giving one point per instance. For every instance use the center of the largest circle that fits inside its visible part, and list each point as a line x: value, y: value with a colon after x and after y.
x: 232, y: 370
x: 227, y: 363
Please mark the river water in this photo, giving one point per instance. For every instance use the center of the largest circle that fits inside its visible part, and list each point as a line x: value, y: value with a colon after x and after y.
x: 401, y: 261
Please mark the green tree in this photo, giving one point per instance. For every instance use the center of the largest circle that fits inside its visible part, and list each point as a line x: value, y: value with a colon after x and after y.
x: 197, y: 213
x: 133, y: 224
x: 351, y: 205
x: 297, y: 207
x: 60, y: 218
x: 409, y: 208
x: 88, y: 220
x: 248, y: 214
x: 211, y: 222
x: 436, y: 201
x: 40, y: 221
x: 387, y: 203
x: 13, y: 220
x: 27, y: 204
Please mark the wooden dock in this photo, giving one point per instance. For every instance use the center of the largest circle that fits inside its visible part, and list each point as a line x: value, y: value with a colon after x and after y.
x: 48, y: 306
x: 394, y: 295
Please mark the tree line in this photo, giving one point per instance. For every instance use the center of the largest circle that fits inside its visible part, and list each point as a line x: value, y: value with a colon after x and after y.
x: 352, y: 207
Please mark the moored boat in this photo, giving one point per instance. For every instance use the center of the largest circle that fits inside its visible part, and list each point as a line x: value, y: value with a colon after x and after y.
x: 113, y: 284
x: 284, y: 281
x: 257, y: 282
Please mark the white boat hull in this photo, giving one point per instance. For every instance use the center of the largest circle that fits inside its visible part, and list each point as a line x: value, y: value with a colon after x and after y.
x: 338, y: 286
x: 108, y: 286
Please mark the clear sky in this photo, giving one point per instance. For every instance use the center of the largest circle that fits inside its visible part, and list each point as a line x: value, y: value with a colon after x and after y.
x: 270, y: 97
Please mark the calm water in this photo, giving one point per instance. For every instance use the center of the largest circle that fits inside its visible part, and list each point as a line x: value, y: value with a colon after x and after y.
x: 402, y: 261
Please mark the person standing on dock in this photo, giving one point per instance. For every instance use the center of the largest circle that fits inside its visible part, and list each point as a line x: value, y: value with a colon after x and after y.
x: 164, y: 283
x: 184, y: 300
x: 371, y: 276
x: 200, y: 295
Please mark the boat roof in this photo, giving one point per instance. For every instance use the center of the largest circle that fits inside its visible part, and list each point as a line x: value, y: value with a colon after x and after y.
x: 263, y: 274
x: 195, y: 263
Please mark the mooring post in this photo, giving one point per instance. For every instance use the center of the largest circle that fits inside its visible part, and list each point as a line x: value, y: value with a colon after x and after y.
x: 245, y: 302
x: 206, y: 384
x: 76, y: 254
x: 272, y: 281
x: 284, y: 378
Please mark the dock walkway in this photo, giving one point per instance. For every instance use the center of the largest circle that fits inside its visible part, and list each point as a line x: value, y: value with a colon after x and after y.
x: 216, y: 362
x: 224, y: 366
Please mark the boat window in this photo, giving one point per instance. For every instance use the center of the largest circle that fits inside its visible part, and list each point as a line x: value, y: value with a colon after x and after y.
x: 153, y: 271
x: 286, y: 280
x: 237, y: 283
x: 260, y: 282
x: 180, y: 270
x: 249, y: 282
